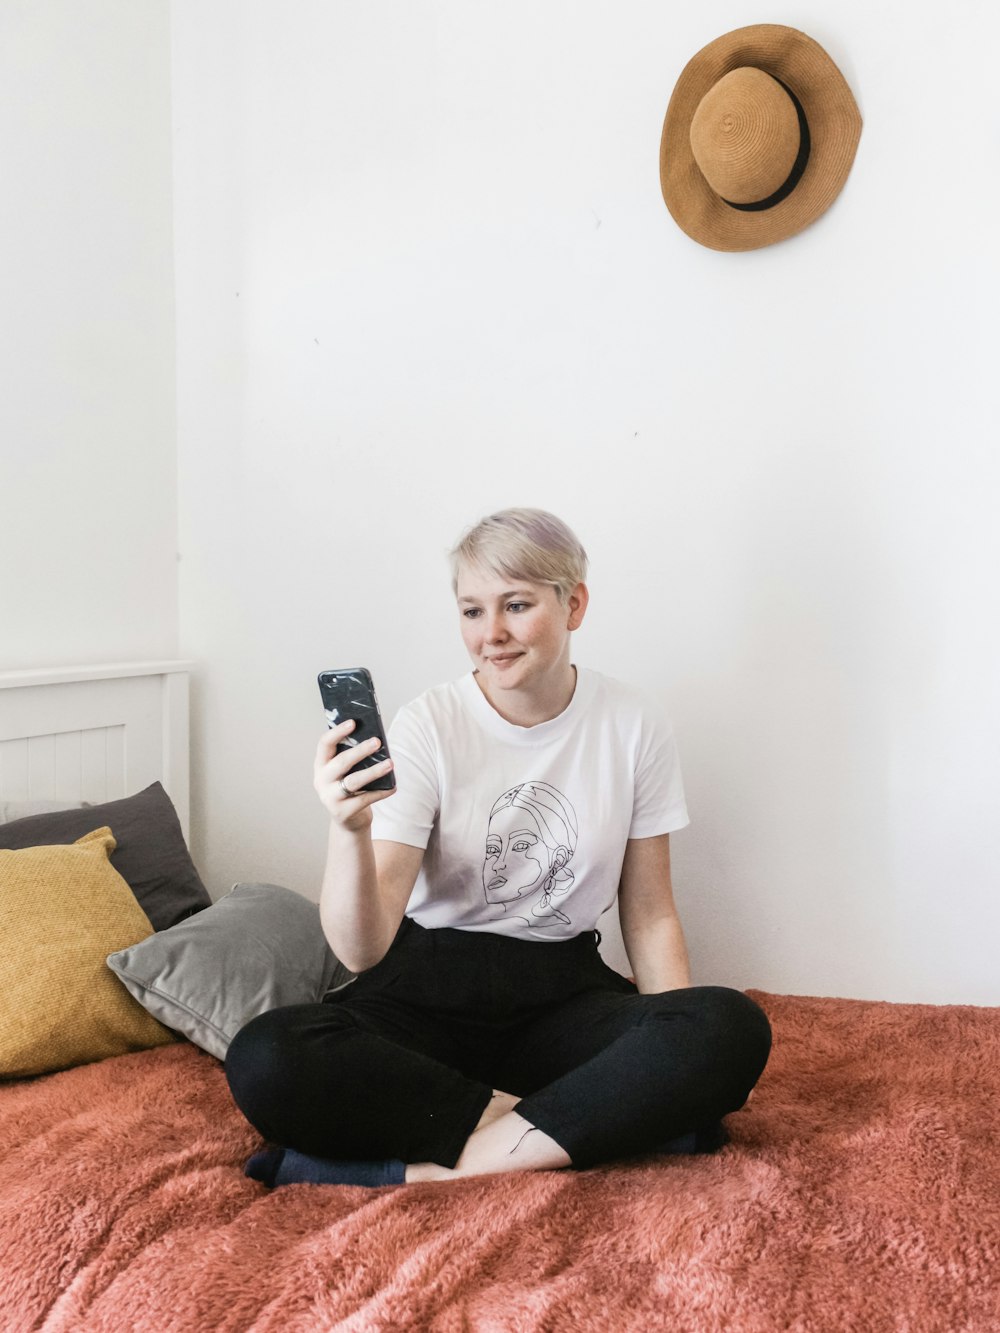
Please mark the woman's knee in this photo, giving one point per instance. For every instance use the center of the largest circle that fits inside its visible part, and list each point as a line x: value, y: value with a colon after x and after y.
x: 733, y: 1011
x: 729, y: 1028
x: 739, y: 1030
x: 261, y: 1063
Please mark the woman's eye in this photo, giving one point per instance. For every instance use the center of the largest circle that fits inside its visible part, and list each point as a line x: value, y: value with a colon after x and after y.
x: 517, y: 606
x: 492, y: 849
x: 521, y: 846
x: 471, y: 613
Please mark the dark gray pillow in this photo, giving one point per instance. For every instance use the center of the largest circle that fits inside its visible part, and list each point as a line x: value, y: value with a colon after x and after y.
x: 258, y: 948
x: 151, y: 855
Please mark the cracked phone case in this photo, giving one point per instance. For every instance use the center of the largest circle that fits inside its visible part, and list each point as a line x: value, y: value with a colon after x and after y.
x: 349, y: 693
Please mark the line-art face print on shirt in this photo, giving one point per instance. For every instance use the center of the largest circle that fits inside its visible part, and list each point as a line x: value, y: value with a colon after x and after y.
x: 530, y: 841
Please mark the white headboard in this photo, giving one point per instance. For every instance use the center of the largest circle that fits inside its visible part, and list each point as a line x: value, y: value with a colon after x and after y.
x: 95, y: 733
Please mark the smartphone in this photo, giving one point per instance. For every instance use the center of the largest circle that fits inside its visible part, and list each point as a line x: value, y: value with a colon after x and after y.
x: 349, y: 693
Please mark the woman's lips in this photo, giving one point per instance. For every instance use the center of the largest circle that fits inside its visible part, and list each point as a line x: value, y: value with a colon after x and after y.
x: 496, y: 882
x: 503, y: 659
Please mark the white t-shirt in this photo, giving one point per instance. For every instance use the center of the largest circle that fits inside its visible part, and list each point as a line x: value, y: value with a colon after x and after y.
x: 525, y: 827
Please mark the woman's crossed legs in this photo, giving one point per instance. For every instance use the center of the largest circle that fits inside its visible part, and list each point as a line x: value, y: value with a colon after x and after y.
x: 603, y: 1074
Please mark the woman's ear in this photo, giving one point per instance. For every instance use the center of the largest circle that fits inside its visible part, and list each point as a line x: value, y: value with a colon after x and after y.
x: 576, y: 605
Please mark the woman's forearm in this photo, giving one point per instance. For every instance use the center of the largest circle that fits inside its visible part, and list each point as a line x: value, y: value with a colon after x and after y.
x: 362, y: 901
x: 356, y: 920
x: 658, y: 956
x: 651, y: 928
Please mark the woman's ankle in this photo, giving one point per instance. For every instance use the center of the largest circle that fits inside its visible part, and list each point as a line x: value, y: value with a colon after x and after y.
x: 502, y: 1141
x: 510, y: 1143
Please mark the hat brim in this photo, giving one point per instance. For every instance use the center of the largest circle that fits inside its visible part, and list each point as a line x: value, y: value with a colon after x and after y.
x: 834, y: 128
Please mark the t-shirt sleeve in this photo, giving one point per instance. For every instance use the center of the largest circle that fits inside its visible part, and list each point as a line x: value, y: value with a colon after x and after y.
x: 658, y: 805
x: 408, y: 815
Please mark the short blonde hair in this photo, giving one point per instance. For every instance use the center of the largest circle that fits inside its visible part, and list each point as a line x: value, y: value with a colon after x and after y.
x: 529, y: 544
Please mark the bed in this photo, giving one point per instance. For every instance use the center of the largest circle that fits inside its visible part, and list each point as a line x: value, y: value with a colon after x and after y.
x: 860, y: 1189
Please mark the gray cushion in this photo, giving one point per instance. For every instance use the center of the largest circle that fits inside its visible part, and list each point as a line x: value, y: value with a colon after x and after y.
x: 258, y: 948
x: 151, y: 857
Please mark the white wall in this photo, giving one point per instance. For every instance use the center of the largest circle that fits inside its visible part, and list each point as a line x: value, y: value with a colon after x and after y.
x: 424, y: 271
x: 88, y: 491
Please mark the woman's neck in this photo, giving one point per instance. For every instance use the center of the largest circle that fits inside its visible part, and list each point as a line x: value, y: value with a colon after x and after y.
x: 530, y: 708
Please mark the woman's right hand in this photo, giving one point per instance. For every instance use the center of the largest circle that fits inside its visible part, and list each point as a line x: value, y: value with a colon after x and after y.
x: 340, y: 786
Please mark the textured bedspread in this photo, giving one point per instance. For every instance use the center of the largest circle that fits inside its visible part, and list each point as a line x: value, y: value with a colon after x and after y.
x: 861, y: 1192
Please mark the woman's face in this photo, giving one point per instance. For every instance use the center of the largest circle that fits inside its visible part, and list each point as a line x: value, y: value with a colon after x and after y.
x: 517, y: 633
x: 517, y: 860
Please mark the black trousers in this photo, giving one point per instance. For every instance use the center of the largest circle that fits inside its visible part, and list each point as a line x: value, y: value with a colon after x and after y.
x: 403, y: 1061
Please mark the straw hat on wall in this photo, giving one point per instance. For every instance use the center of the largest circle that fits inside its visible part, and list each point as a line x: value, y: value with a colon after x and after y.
x: 758, y: 139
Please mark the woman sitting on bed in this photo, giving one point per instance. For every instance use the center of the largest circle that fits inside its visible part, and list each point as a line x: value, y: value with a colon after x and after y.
x: 485, y: 1033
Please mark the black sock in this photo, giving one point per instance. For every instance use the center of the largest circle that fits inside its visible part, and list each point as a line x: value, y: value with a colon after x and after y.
x: 263, y: 1165
x: 285, y: 1166
x: 706, y: 1138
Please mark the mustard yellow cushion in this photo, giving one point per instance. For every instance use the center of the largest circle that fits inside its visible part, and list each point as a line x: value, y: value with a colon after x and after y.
x: 62, y: 911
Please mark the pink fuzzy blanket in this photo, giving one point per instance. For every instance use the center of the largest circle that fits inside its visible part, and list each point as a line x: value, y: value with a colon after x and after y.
x: 861, y: 1191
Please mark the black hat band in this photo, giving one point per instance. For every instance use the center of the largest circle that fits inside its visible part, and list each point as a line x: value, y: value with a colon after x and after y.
x: 798, y: 166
